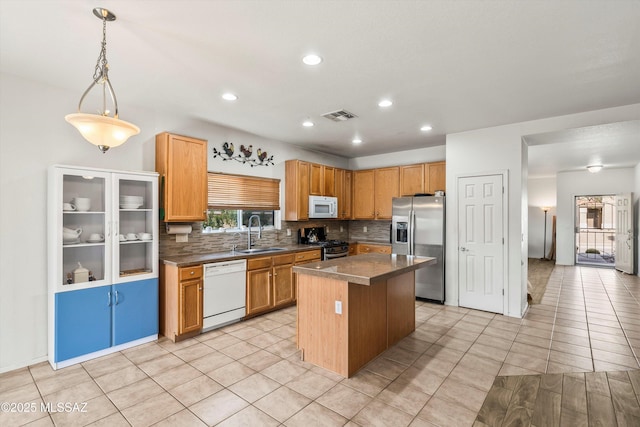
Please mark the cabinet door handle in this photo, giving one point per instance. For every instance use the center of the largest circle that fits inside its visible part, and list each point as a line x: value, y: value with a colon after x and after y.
x: 109, y: 299
x: 192, y: 272
x: 117, y: 298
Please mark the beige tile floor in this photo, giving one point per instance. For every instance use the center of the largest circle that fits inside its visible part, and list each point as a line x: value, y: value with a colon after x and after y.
x: 249, y: 373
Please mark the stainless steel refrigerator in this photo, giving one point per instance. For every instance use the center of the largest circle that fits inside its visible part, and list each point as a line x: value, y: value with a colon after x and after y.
x: 417, y: 228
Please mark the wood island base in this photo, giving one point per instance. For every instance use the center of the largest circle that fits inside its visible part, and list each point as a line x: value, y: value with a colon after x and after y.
x: 373, y: 318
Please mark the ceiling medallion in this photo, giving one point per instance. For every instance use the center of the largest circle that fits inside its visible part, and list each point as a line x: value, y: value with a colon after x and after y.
x: 244, y: 156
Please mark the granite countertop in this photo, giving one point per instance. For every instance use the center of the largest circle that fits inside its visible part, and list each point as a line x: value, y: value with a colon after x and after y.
x: 186, y: 260
x: 364, y: 269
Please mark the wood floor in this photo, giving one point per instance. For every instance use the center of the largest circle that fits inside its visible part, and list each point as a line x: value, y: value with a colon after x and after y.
x: 574, y: 399
x: 595, y: 316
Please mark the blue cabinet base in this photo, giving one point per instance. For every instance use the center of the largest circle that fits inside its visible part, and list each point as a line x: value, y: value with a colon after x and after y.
x: 93, y: 322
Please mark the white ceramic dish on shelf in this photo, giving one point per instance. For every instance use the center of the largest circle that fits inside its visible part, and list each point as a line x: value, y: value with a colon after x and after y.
x: 130, y: 205
x: 95, y: 241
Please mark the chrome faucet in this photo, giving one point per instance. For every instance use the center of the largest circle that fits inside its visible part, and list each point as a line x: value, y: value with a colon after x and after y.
x: 249, y: 244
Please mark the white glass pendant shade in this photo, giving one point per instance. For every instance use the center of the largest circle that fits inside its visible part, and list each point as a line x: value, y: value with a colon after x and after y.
x: 102, y: 131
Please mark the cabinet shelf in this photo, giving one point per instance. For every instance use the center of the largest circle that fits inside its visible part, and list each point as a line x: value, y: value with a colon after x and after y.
x: 133, y: 242
x: 82, y: 244
x: 136, y: 210
x: 82, y: 213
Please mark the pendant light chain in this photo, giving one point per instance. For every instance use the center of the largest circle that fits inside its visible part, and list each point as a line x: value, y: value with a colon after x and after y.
x: 102, y: 66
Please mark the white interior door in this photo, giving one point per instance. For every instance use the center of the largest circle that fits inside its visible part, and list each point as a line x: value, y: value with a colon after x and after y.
x: 624, y: 233
x: 481, y: 243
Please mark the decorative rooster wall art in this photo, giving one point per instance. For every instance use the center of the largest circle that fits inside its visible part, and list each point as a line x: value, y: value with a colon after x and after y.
x: 244, y: 156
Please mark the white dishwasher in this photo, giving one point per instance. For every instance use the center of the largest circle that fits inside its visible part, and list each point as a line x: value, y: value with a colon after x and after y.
x: 225, y: 287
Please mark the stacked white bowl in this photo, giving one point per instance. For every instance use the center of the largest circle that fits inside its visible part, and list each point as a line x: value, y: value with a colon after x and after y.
x: 131, y: 202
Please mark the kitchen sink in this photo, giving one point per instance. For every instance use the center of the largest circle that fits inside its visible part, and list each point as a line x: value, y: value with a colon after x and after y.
x: 260, y: 250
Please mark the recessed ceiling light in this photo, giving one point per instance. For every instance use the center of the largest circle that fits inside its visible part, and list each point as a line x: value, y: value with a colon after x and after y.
x: 307, y: 123
x: 356, y: 141
x: 229, y: 96
x: 594, y: 168
x: 426, y: 128
x: 312, y: 59
x: 385, y: 103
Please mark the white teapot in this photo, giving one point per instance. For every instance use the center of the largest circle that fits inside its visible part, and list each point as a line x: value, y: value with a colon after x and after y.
x: 71, y: 234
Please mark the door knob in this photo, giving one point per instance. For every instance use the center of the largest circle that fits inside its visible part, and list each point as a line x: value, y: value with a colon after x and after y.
x: 463, y: 249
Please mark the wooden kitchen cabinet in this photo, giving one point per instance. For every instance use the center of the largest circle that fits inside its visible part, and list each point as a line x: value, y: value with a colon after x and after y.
x: 435, y: 177
x: 296, y: 204
x: 368, y: 248
x: 181, y: 162
x: 329, y: 181
x: 270, y: 283
x: 373, y: 191
x: 181, y: 301
x: 316, y: 179
x: 321, y: 180
x: 387, y: 186
x: 412, y: 179
x: 353, y: 249
x: 363, y: 194
x: 343, y: 193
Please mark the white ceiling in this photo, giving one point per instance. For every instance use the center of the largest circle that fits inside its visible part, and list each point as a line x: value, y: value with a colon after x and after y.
x: 456, y: 65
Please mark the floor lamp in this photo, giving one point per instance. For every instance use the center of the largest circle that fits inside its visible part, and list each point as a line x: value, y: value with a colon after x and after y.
x: 544, y: 245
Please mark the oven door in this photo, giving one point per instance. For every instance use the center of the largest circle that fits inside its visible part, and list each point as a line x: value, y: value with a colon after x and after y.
x: 335, y: 252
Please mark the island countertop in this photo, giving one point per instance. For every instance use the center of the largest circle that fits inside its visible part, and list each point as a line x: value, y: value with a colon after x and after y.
x: 364, y: 269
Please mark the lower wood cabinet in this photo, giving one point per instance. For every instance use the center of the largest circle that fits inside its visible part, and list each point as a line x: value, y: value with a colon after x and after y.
x: 368, y: 248
x: 269, y: 283
x: 181, y: 301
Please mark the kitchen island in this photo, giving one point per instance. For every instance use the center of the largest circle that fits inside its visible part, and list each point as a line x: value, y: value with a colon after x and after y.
x: 352, y: 309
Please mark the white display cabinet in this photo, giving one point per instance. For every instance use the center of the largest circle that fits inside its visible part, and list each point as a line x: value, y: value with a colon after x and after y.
x: 103, y: 261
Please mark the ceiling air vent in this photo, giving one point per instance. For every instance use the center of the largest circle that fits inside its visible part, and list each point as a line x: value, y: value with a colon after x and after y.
x: 339, y: 116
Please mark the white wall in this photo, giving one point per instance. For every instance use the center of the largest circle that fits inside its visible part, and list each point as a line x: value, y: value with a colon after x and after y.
x: 487, y: 151
x: 571, y: 184
x: 33, y: 136
x: 541, y: 193
x: 501, y: 149
x: 408, y: 157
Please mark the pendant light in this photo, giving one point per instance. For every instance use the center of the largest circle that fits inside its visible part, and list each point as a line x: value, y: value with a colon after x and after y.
x: 101, y: 129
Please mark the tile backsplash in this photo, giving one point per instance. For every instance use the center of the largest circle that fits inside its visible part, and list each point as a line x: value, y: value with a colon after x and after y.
x: 200, y: 242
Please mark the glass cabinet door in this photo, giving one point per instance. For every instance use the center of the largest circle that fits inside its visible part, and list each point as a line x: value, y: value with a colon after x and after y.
x: 136, y: 241
x: 82, y: 235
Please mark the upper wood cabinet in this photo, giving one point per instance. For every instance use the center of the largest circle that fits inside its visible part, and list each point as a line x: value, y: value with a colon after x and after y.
x: 303, y: 179
x: 373, y: 191
x: 387, y: 186
x: 343, y: 193
x: 363, y: 194
x: 321, y: 180
x: 296, y: 203
x: 411, y: 180
x: 435, y: 177
x: 422, y: 178
x: 316, y: 179
x: 181, y: 162
x: 329, y: 179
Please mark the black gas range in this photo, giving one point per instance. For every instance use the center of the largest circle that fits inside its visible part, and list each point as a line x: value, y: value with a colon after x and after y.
x: 317, y: 236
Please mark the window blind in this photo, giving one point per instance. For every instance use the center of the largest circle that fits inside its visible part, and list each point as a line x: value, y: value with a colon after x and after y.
x: 227, y: 191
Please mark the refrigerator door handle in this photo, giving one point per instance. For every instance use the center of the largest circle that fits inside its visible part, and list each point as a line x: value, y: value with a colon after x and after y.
x: 412, y: 223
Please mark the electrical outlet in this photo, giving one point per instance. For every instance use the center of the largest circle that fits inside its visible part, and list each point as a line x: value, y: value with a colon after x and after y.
x: 182, y: 238
x: 341, y: 229
x: 288, y: 232
x: 364, y: 228
x: 338, y: 307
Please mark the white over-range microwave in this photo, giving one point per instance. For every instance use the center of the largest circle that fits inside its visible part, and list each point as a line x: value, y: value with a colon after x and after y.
x: 323, y: 207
